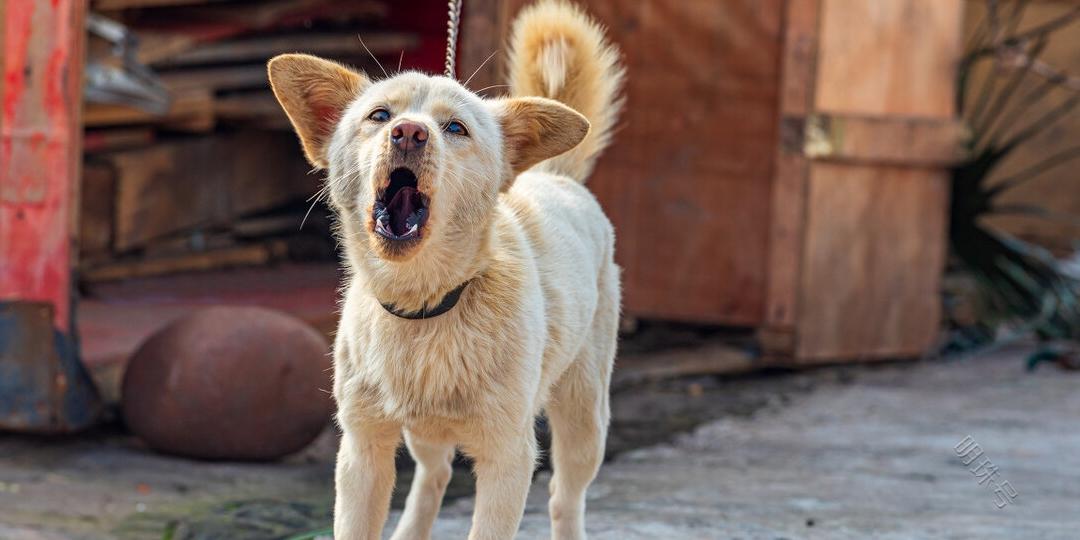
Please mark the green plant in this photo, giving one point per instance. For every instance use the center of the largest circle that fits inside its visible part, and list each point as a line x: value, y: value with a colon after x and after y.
x: 1017, y: 283
x: 314, y: 535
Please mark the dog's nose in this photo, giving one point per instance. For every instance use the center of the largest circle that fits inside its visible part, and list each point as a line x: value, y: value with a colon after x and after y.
x: 409, y: 135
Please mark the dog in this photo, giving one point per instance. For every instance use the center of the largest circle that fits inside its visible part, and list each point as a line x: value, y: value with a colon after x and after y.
x: 481, y: 287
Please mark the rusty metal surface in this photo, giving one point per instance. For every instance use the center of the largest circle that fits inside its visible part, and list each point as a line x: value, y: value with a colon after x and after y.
x: 43, y: 386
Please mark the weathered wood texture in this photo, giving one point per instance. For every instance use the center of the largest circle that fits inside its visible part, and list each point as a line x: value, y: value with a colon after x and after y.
x: 189, y: 111
x: 122, y: 4
x: 40, y: 53
x: 919, y: 142
x: 873, y: 259
x: 780, y: 164
x: 875, y: 235
x: 203, y: 182
x: 888, y: 57
x: 787, y: 211
x: 485, y: 25
x: 96, y: 209
x: 200, y: 261
x: 335, y: 44
x: 687, y: 182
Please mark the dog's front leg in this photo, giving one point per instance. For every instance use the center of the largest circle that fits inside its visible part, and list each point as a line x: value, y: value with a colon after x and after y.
x: 503, y: 474
x: 364, y: 481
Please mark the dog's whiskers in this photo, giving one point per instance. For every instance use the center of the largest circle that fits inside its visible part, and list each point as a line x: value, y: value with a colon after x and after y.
x: 385, y: 74
x: 481, y: 66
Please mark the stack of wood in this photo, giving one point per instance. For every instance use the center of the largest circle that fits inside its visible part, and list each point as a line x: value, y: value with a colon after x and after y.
x: 217, y: 179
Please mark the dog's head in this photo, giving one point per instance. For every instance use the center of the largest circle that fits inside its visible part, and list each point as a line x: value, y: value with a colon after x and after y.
x: 414, y: 160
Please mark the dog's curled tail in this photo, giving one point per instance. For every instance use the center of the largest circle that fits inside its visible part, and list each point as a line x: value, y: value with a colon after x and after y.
x: 559, y: 52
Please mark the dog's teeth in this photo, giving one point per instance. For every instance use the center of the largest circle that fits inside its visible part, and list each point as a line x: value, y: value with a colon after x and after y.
x: 413, y: 229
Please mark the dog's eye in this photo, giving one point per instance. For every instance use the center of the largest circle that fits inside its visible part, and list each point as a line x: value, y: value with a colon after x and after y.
x: 455, y: 127
x: 379, y: 115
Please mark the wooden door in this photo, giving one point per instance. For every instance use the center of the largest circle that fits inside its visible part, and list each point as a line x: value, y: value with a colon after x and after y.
x: 859, y: 228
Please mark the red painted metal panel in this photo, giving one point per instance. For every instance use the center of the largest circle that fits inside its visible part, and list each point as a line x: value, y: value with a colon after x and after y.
x: 39, y: 149
x: 43, y: 386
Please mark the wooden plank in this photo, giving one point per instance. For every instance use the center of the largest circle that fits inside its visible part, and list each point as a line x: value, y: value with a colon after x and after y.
x: 331, y: 44
x: 889, y: 57
x: 96, y: 209
x: 711, y: 359
x: 221, y: 21
x: 158, y: 46
x: 916, y: 142
x: 42, y: 49
x: 167, y: 32
x: 108, y: 140
x: 189, y: 111
x: 872, y: 265
x: 255, y: 255
x: 485, y: 26
x: 216, y: 79
x: 102, y: 5
x: 787, y: 211
x: 255, y: 109
x: 203, y: 181
x: 687, y: 181
x: 480, y: 31
x: 267, y: 14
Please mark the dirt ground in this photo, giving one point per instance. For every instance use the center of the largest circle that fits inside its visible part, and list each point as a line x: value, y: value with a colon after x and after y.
x: 843, y: 452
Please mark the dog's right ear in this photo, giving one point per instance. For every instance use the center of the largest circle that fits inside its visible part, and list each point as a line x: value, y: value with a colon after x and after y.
x: 314, y: 93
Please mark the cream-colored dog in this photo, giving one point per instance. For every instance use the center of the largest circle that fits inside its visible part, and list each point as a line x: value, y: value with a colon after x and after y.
x: 482, y: 288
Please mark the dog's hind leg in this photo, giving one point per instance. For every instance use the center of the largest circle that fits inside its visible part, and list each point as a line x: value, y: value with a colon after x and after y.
x: 578, y: 414
x: 433, y: 471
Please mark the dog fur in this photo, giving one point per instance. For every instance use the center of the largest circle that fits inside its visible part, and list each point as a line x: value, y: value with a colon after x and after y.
x: 534, y: 330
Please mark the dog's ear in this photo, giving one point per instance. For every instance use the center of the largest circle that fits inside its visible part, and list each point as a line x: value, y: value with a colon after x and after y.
x: 314, y: 93
x: 535, y: 129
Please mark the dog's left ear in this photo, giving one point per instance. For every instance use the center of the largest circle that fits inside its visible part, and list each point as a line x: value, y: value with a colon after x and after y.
x: 314, y: 93
x: 535, y: 129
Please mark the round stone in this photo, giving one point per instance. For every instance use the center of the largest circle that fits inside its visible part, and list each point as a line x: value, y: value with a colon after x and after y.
x: 237, y: 383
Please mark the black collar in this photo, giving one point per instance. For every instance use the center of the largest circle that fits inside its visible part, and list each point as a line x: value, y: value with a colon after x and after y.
x: 448, y: 302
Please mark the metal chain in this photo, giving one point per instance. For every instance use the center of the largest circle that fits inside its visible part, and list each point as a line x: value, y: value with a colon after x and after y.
x: 452, y: 25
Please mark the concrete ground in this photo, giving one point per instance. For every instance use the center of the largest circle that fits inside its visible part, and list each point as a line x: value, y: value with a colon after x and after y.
x: 850, y: 452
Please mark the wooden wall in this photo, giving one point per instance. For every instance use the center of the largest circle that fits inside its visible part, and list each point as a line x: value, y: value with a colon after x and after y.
x: 687, y: 182
x: 781, y: 164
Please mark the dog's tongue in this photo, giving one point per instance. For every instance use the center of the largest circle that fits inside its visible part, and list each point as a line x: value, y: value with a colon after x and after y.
x: 404, y: 203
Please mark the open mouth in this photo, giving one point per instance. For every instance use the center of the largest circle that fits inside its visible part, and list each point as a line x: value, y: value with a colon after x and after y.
x: 400, y: 209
